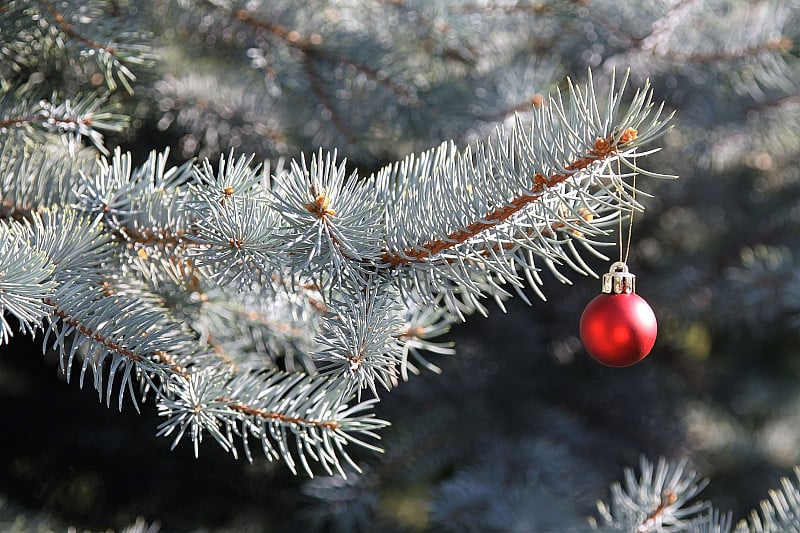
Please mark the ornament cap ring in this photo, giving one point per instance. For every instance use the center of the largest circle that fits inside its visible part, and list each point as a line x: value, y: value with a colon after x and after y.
x: 618, y: 280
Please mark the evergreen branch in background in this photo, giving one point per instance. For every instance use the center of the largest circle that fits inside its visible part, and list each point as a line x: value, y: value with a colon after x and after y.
x: 73, y: 32
x: 524, y: 495
x: 746, y: 44
x: 239, y: 116
x: 312, y: 50
x: 310, y: 57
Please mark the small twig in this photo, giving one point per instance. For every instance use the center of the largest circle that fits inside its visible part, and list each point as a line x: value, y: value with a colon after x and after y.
x: 163, y: 237
x: 667, y: 498
x: 95, y: 336
x: 162, y: 356
x: 280, y: 417
x: 21, y: 121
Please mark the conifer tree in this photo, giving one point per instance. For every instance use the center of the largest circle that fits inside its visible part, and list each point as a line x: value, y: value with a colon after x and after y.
x: 264, y: 217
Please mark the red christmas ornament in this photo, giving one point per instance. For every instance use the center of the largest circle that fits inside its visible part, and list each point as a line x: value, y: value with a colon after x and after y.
x: 618, y: 327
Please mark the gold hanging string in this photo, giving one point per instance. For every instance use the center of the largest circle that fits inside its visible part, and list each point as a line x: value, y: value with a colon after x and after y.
x: 633, y: 209
x: 624, y: 251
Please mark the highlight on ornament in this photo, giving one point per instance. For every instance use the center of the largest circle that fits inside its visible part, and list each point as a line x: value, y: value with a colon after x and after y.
x: 618, y: 327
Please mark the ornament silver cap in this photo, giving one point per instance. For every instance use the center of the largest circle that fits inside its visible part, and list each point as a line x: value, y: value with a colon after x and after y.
x: 618, y: 280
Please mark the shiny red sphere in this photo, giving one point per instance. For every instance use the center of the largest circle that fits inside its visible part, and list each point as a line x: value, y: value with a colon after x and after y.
x: 618, y: 329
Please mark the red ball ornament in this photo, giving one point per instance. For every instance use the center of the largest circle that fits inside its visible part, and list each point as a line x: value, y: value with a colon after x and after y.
x: 618, y: 327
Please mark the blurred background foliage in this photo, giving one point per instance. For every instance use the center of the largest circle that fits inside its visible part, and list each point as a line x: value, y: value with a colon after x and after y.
x: 522, y: 431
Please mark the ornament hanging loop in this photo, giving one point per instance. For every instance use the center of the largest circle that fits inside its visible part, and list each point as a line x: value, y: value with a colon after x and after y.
x: 618, y: 280
x: 625, y: 250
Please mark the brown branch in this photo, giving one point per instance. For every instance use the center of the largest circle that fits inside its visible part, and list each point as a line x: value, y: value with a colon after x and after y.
x: 70, y: 30
x: 585, y: 215
x: 162, y: 356
x: 603, y: 147
x: 95, y: 336
x: 274, y: 416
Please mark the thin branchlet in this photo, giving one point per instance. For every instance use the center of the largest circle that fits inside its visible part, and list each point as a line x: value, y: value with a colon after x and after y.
x: 280, y: 417
x: 19, y: 121
x: 117, y: 347
x: 668, y: 497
